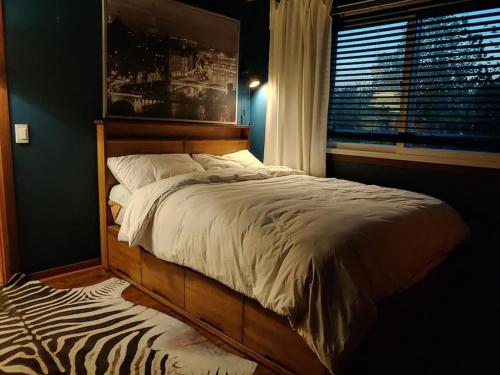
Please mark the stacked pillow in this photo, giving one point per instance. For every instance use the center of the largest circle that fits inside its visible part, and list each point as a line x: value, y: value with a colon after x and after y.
x: 119, y: 198
x: 136, y: 171
x: 240, y: 159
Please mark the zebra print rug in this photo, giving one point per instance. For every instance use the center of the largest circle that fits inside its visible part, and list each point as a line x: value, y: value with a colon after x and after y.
x: 93, y: 330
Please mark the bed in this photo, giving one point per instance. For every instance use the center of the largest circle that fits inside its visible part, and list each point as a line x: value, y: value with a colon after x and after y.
x: 285, y: 267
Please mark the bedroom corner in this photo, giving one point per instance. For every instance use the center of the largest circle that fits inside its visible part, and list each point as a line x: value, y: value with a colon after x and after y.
x: 135, y: 191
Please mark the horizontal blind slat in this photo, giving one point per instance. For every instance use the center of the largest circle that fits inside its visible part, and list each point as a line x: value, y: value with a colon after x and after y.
x: 386, y: 32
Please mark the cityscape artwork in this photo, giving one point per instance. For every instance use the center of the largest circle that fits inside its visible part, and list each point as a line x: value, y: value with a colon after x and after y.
x: 168, y: 60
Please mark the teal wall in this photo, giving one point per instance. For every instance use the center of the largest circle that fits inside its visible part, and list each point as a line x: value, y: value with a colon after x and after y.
x: 254, y: 58
x: 258, y: 120
x: 54, y: 76
x: 53, y: 67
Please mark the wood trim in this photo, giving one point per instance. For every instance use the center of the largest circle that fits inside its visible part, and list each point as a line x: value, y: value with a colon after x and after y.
x: 397, y: 163
x: 9, y: 247
x: 130, y: 129
x: 405, y: 82
x: 102, y: 190
x: 66, y: 269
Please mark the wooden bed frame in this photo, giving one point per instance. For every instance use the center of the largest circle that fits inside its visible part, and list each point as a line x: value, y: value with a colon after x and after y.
x: 238, y: 320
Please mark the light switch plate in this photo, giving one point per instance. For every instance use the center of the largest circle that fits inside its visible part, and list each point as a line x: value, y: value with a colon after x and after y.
x: 22, y: 133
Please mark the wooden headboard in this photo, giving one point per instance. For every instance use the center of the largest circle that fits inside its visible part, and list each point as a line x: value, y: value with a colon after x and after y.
x: 117, y: 137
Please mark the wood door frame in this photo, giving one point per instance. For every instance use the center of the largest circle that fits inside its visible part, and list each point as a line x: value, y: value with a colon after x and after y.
x: 9, y: 248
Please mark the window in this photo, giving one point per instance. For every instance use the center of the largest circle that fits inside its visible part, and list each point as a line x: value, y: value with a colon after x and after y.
x: 418, y: 80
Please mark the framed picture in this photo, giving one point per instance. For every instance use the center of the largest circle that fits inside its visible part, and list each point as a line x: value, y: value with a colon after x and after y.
x: 167, y: 60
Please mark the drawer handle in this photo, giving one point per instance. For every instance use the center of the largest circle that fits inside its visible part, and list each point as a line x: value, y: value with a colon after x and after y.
x: 211, y: 325
x: 270, y: 358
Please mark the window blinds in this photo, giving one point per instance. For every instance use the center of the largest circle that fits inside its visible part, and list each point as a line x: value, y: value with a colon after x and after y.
x: 430, y: 76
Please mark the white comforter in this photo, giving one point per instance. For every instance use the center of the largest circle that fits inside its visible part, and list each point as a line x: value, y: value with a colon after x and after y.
x: 317, y: 251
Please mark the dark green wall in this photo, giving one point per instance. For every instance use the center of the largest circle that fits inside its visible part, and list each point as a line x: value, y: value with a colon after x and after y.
x: 258, y: 121
x: 53, y: 65
x: 256, y: 55
x: 54, y: 76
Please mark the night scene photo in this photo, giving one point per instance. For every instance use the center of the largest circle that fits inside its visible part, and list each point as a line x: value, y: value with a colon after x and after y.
x: 168, y: 60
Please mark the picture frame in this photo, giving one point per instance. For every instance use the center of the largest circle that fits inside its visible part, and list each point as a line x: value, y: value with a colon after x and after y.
x: 166, y: 60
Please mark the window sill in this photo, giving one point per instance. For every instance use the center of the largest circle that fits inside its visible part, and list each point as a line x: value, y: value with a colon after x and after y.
x: 457, y: 158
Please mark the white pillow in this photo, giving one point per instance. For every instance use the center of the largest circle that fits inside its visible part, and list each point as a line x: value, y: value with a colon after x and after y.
x: 121, y: 197
x: 119, y: 194
x: 240, y: 159
x: 246, y: 159
x: 136, y: 171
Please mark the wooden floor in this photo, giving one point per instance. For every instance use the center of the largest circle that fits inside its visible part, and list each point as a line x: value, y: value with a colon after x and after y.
x: 97, y: 274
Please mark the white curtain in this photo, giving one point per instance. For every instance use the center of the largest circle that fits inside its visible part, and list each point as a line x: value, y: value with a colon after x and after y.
x: 299, y: 83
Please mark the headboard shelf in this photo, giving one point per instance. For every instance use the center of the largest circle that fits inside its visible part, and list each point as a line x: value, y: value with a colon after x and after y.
x: 124, y: 146
x: 172, y: 130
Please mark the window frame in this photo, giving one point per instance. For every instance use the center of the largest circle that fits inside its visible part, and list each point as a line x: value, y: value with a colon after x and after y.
x: 399, y: 151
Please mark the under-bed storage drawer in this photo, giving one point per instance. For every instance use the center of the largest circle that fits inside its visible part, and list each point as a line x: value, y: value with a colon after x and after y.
x: 123, y: 259
x: 214, y: 304
x: 163, y: 278
x: 270, y: 335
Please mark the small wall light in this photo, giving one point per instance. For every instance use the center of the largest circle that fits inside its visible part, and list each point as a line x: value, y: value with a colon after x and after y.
x: 253, y: 82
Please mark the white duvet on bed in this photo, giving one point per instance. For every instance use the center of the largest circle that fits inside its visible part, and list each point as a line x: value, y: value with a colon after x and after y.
x: 317, y: 251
